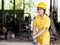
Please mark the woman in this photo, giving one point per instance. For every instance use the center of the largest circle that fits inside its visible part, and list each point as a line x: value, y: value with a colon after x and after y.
x: 42, y: 21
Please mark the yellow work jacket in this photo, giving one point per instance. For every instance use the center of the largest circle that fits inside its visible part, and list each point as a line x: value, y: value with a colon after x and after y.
x: 41, y: 23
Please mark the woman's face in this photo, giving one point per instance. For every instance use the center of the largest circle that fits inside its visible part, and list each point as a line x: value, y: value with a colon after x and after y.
x: 40, y: 11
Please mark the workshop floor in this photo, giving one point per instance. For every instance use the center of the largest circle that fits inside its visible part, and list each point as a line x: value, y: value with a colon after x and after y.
x: 19, y: 42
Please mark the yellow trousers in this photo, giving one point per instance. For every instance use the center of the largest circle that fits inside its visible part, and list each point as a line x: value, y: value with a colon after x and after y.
x: 44, y: 41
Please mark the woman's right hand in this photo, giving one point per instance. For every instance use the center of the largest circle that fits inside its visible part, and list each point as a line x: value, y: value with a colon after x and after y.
x: 32, y: 35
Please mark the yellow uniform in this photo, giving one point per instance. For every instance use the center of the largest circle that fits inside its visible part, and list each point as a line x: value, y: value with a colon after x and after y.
x: 41, y: 23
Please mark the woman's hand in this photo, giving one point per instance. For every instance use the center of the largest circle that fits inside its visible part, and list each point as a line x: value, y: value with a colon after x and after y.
x: 33, y: 36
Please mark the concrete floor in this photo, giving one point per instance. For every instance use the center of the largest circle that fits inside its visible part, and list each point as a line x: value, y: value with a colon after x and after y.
x: 16, y: 43
x: 57, y: 42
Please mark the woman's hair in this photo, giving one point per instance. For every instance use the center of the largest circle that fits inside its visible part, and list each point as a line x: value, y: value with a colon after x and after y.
x: 44, y: 11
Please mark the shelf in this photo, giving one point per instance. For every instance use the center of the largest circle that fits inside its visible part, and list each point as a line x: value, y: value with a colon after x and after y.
x: 24, y: 30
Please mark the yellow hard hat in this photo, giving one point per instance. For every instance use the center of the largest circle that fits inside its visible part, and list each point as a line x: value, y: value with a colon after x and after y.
x: 42, y: 5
